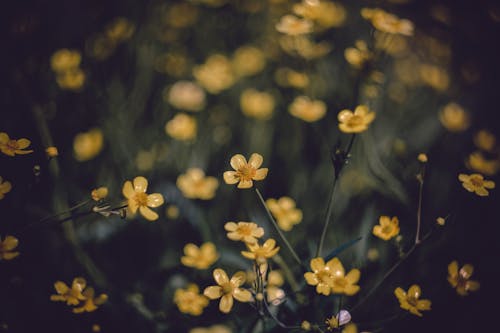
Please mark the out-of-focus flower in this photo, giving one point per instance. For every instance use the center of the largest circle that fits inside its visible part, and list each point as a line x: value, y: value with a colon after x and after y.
x: 119, y: 30
x: 394, y: 45
x: 199, y: 257
x: 64, y: 60
x: 182, y: 127
x: 327, y: 14
x: 100, y: 47
x: 71, y: 79
x: 422, y: 158
x: 331, y: 278
x: 357, y: 56
x: 190, y: 300
x: 305, y: 325
x: 350, y: 328
x: 7, y: 247
x: 294, y: 26
x: 12, y: 147
x: 91, y: 303
x: 454, y: 118
x: 88, y: 145
x: 247, y: 232
x: 386, y: 22
x: 172, y: 212
x: 181, y: 15
x: 460, y: 278
x: 99, y: 193
x: 173, y: 63
x: 387, y: 227
x: 227, y: 289
x: 73, y: 295
x: 441, y: 221
x: 357, y: 121
x: 258, y: 105
x: 194, y: 185
x: 434, y: 76
x: 211, y: 329
x: 248, y: 60
x: 373, y: 254
x: 261, y: 253
x: 216, y: 74
x: 245, y: 173
x: 137, y: 198
x: 52, y: 151
x: 185, y: 95
x: 285, y: 212
x: 287, y: 77
x: 485, y: 140
x: 306, y: 109
x: 477, y: 162
x: 274, y: 281
x: 5, y: 188
x: 411, y: 300
x: 476, y: 183
x: 304, y: 47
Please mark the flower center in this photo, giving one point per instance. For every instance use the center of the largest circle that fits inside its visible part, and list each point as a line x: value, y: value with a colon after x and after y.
x: 246, y: 172
x: 141, y: 199
x: 227, y: 288
x: 323, y: 276
x: 412, y: 301
x: 477, y: 182
x: 387, y: 229
x: 355, y: 120
x: 12, y: 145
x: 245, y: 230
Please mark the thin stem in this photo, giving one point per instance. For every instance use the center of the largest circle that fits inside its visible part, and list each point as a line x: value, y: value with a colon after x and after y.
x: 283, y: 238
x: 327, y: 219
x: 419, y: 210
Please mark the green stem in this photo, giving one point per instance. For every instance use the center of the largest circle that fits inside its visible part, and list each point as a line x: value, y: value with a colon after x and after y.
x: 329, y: 211
x: 419, y: 210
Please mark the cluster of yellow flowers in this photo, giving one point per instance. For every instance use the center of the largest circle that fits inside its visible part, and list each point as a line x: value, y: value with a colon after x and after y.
x: 66, y: 64
x: 330, y: 277
x: 77, y: 294
x: 11, y: 147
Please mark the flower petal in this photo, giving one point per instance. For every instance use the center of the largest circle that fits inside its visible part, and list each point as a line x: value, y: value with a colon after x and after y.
x: 10, y: 243
x: 23, y: 143
x: 353, y: 276
x: 61, y: 287
x: 424, y: 304
x: 344, y: 115
x: 213, y: 292
x: 260, y: 174
x: 4, y: 138
x: 466, y: 271
x: 128, y: 190
x: 231, y: 177
x: 242, y: 295
x: 238, y: 161
x: 238, y: 278
x: 140, y: 184
x: 148, y: 213
x: 336, y: 267
x: 220, y: 276
x: 453, y: 268
x: 230, y: 226
x: 155, y: 200
x: 400, y: 294
x: 414, y: 291
x: 226, y: 303
x: 311, y: 278
x: 245, y: 184
x: 317, y: 264
x: 256, y: 160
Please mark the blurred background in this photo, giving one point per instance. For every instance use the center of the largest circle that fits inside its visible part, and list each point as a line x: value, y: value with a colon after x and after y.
x: 163, y: 86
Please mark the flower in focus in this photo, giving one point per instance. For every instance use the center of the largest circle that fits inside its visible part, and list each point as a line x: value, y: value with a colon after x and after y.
x: 306, y: 109
x: 73, y: 295
x: 247, y: 232
x: 476, y: 183
x: 12, y: 147
x: 91, y: 303
x: 259, y: 105
x: 410, y: 300
x: 357, y: 121
x: 248, y: 60
x: 485, y: 140
x: 139, y: 199
x: 52, y: 151
x: 88, y: 145
x: 216, y: 74
x: 199, y: 257
x: 227, y: 289
x: 245, y: 173
x: 211, y: 329
x: 185, y: 95
x: 330, y: 277
x: 460, y: 278
x: 7, y: 247
x: 357, y: 56
x: 64, y: 60
x: 477, y: 162
x: 294, y: 26
x: 99, y: 193
x: 387, y: 22
x: 387, y: 228
x: 454, y: 118
x: 261, y: 253
x: 326, y: 13
x: 5, y: 187
x: 194, y: 185
x: 285, y: 212
x: 190, y: 300
x: 182, y: 127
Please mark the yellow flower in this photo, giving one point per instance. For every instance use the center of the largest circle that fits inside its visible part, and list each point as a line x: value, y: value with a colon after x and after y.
x: 91, y: 303
x: 306, y: 109
x: 194, y: 185
x: 119, y: 30
x: 64, y: 60
x: 99, y: 193
x: 261, y: 253
x: 72, y: 79
x: 211, y: 329
x: 216, y: 74
x: 73, y: 295
x: 330, y: 277
x: 410, y: 301
x: 274, y: 293
x: 357, y: 56
x: 327, y: 14
x: 332, y: 323
x: 228, y: 289
x: 287, y: 77
x: 285, y: 212
x: 477, y: 162
x: 460, y: 279
x: 247, y: 232
x: 52, y: 151
x: 182, y: 127
x: 5, y: 187
x: 350, y: 328
x: 88, y: 145
x: 294, y: 26
x: 422, y: 158
x: 139, y: 199
x: 476, y: 183
x: 7, y: 247
x: 248, y: 60
x: 357, y: 121
x: 304, y: 47
x: 454, y: 118
x: 387, y: 227
x: 305, y: 325
x: 181, y: 15
x: 441, y: 221
x: 485, y: 140
x: 12, y: 147
x: 258, y: 105
x: 190, y: 300
x: 245, y: 173
x: 185, y: 95
x: 386, y: 22
x: 199, y: 257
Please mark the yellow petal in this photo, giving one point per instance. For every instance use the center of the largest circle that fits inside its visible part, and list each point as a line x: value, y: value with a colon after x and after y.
x: 230, y: 226
x: 10, y: 243
x: 323, y: 289
x: 242, y: 295
x: 351, y: 290
x: 61, y: 287
x: 424, y: 304
x: 462, y: 177
x: 453, y: 268
x: 489, y: 184
x: 248, y: 255
x: 128, y: 190
x: 9, y: 255
x: 269, y: 244
x: 353, y: 276
x: 213, y: 292
x: 311, y: 278
x: 256, y: 160
x: 414, y: 291
x: 260, y: 174
x: 231, y: 177
x: 317, y: 264
x: 5, y: 187
x: 155, y: 200
x: 336, y: 267
x: 400, y: 294
x: 472, y: 285
x: 481, y: 191
x: 238, y: 278
x: 384, y: 220
x: 23, y: 143
x: 238, y: 161
x: 344, y: 115
x: 226, y: 303
x: 140, y: 184
x: 245, y: 184
x: 149, y: 214
x: 4, y: 138
x: 466, y: 271
x: 220, y: 276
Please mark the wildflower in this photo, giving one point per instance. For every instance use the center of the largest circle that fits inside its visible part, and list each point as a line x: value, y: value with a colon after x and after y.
x: 52, y: 151
x: 305, y: 325
x: 304, y: 47
x: 64, y: 60
x: 139, y: 199
x: 261, y: 253
x: 12, y: 147
x: 476, y: 183
x: 460, y: 278
x: 387, y: 22
x: 228, y: 289
x: 350, y: 328
x: 306, y: 109
x: 99, y: 193
x: 88, y: 145
x: 5, y: 188
x: 434, y: 76
x: 387, y: 228
x: 182, y: 127
x: 477, y: 162
x: 357, y: 56
x: 73, y: 295
x: 96, y: 328
x: 485, y: 140
x: 330, y: 277
x: 274, y: 293
x: 194, y: 185
x: 294, y: 26
x: 245, y: 173
x: 119, y: 30
x: 357, y: 121
x: 332, y: 323
x: 454, y: 118
x: 287, y: 77
x: 248, y: 60
x: 211, y: 329
x: 410, y: 301
x: 255, y: 104
x: 441, y: 221
x: 285, y: 212
x: 422, y: 158
x: 7, y: 247
x: 190, y: 300
x: 326, y: 13
x: 216, y: 74
x: 185, y: 95
x: 199, y: 257
x: 72, y: 79
x: 91, y: 303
